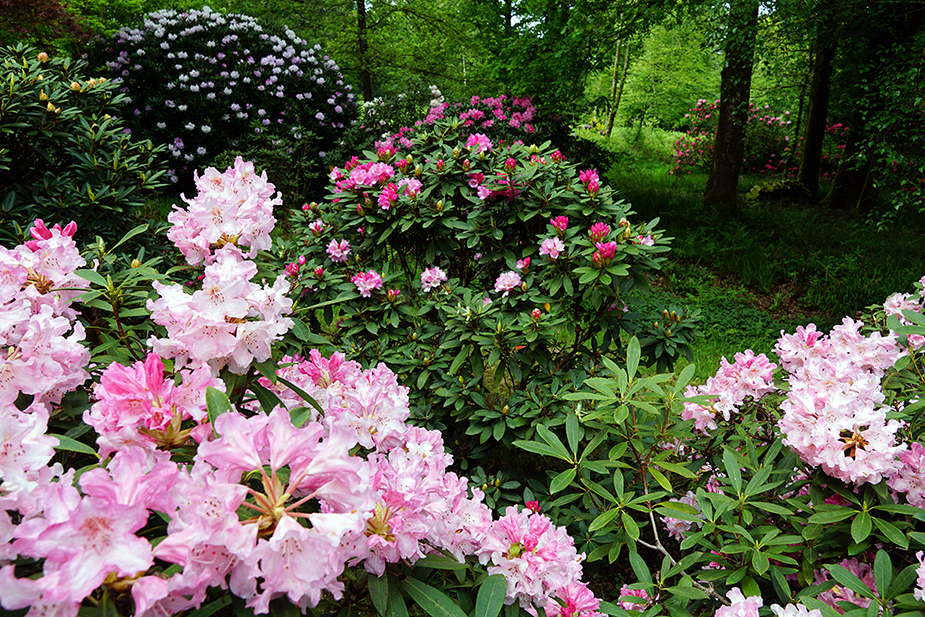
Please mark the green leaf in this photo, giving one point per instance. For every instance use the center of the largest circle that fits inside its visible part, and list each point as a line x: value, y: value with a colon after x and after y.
x: 860, y: 527
x: 849, y: 580
x: 603, y: 519
x: 632, y: 357
x: 439, y: 562
x: 661, y: 479
x: 571, y: 432
x: 396, y: 606
x: 562, y: 480
x: 832, y: 516
x: 553, y: 440
x: 212, y: 607
x: 640, y: 569
x: 434, y: 602
x: 305, y: 396
x: 491, y: 595
x: 891, y: 531
x: 92, y: 276
x: 883, y: 572
x: 733, y: 471
x: 378, y: 592
x: 217, y: 403
x: 268, y: 399
x: 72, y: 445
x: 539, y: 448
x: 632, y: 529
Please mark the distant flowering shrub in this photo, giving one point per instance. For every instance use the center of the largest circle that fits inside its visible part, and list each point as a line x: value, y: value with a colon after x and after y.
x: 771, y: 148
x: 203, y: 82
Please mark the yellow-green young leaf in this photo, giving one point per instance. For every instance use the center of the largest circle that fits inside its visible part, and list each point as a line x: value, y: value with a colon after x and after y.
x: 661, y: 479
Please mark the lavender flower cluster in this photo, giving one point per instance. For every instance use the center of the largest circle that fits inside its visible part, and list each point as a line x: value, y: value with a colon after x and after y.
x: 203, y: 81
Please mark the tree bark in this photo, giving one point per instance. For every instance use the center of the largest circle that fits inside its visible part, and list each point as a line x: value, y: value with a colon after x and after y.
x: 616, y: 91
x: 814, y: 133
x: 735, y: 85
x: 366, y: 76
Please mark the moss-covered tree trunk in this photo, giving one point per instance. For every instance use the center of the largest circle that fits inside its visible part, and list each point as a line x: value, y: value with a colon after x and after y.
x: 735, y: 85
x: 814, y: 133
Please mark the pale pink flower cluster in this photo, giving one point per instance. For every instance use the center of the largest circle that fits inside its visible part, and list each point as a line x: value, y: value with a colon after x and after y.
x: 232, y: 208
x: 367, y: 282
x: 478, y: 142
x: 338, y: 250
x: 750, y: 376
x: 431, y: 278
x: 552, y: 248
x: 919, y: 592
x: 536, y: 557
x: 740, y: 606
x: 899, y: 302
x: 676, y: 527
x: 229, y: 322
x: 832, y: 415
x: 506, y: 282
x: 840, y: 593
x: 629, y: 605
x: 42, y: 354
x: 910, y: 477
x: 140, y: 406
x: 267, y: 509
x: 794, y: 610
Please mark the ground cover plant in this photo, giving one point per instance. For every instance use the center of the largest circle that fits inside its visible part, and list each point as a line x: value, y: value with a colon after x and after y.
x: 64, y: 151
x: 199, y: 446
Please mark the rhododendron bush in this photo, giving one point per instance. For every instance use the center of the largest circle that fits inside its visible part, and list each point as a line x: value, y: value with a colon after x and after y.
x: 492, y: 275
x: 175, y: 447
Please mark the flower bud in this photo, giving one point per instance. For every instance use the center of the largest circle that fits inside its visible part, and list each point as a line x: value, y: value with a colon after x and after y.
x: 456, y: 154
x: 439, y: 206
x: 466, y: 165
x: 510, y: 165
x: 319, y: 273
x: 441, y: 166
x: 136, y: 263
x: 75, y: 86
x: 418, y: 171
x: 43, y: 57
x: 535, y: 314
x: 534, y: 149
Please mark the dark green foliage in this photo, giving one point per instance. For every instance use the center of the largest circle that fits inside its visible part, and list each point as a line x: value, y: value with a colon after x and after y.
x: 64, y: 153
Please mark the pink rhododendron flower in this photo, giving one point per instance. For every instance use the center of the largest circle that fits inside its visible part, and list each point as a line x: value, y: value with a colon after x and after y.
x: 233, y: 208
x: 560, y: 223
x: 411, y: 186
x: 389, y: 196
x: 749, y: 376
x: 431, y: 278
x: 140, y: 406
x: 740, y: 605
x: 367, y: 282
x: 644, y: 240
x: 316, y: 227
x: 629, y: 605
x: 794, y: 610
x: 338, y: 250
x: 536, y: 557
x: 604, y: 254
x: 919, y: 592
x: 910, y: 477
x: 677, y: 528
x: 506, y: 282
x: 552, y: 247
x: 478, y: 143
x: 523, y: 264
x: 577, y: 601
x: 599, y: 231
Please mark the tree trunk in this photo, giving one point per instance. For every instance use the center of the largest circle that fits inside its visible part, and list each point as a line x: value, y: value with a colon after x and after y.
x: 851, y: 188
x: 814, y: 133
x: 735, y: 85
x: 616, y: 92
x: 366, y: 76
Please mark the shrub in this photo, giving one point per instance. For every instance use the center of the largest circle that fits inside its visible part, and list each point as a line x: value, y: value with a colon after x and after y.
x: 64, y: 152
x: 203, y: 82
x: 770, y: 150
x: 494, y: 277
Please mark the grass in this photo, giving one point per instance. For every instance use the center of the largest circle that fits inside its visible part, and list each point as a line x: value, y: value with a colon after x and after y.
x: 774, y: 266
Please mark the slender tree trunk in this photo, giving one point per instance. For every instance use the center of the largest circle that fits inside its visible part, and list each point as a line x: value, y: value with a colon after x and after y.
x: 850, y: 189
x: 366, y: 76
x: 814, y: 133
x: 613, y: 88
x: 735, y: 85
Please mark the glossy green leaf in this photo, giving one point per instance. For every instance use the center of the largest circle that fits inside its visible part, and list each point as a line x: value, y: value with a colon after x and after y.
x: 491, y: 596
x: 434, y: 602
